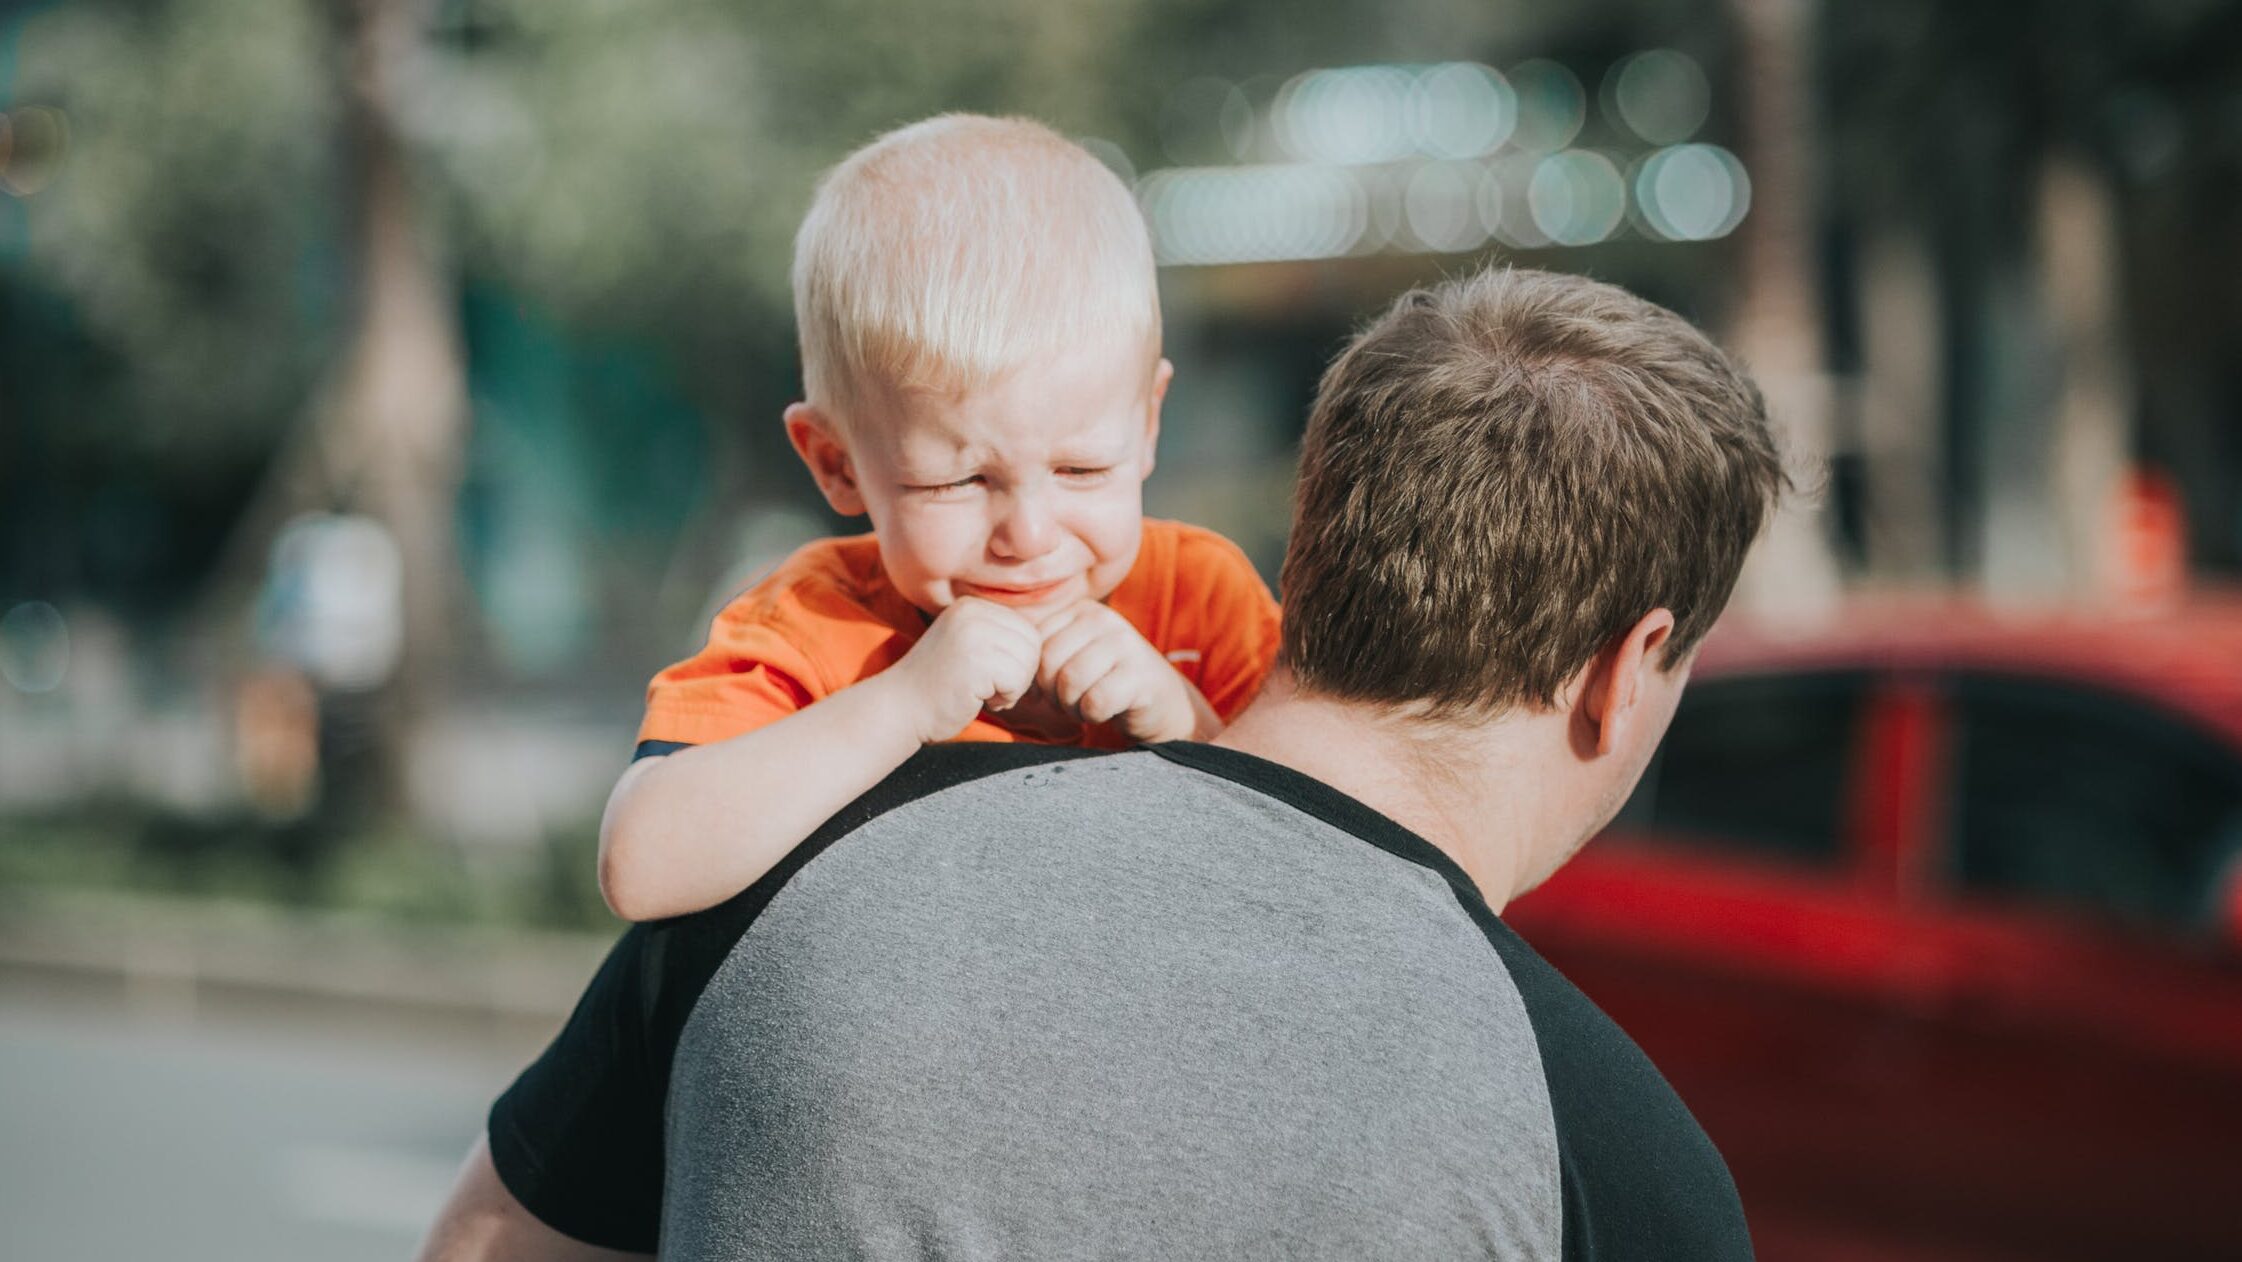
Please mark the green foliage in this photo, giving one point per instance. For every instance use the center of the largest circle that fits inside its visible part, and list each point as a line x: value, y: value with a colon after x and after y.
x: 188, y: 225
x: 411, y: 880
x: 634, y: 170
x: 380, y: 872
x: 645, y: 166
x: 608, y: 161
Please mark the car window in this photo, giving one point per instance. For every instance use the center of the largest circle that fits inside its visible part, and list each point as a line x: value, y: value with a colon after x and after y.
x: 2085, y: 800
x: 1754, y: 765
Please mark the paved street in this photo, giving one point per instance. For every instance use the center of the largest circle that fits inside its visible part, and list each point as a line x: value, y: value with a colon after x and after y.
x: 138, y: 1127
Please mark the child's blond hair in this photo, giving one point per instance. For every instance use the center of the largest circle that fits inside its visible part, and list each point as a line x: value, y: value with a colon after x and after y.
x: 949, y: 251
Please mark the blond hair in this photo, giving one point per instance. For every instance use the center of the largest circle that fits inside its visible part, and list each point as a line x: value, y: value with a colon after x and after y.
x: 1504, y: 472
x: 949, y: 251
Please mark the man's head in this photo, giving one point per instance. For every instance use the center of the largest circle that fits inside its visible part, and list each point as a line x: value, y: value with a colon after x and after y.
x: 1522, y: 491
x: 980, y: 353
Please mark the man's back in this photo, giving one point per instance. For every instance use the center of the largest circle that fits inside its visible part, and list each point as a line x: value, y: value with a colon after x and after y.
x: 1177, y: 1002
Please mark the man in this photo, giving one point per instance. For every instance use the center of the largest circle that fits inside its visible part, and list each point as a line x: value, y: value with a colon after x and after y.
x: 1248, y: 998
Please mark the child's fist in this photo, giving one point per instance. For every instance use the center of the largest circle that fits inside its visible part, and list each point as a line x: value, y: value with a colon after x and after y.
x: 1097, y: 667
x: 976, y: 653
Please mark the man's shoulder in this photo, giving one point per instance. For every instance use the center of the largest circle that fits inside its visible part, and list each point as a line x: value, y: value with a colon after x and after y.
x: 685, y: 952
x: 939, y: 767
x: 1641, y: 1177
x: 1144, y: 794
x: 934, y: 769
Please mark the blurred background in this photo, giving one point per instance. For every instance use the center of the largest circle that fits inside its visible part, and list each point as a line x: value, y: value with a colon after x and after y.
x: 389, y: 387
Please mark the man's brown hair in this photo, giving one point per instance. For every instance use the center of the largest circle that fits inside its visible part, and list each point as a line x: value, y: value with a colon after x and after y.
x: 1502, y: 474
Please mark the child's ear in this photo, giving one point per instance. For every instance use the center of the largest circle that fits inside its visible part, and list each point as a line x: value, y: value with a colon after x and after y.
x: 1162, y: 373
x: 817, y: 441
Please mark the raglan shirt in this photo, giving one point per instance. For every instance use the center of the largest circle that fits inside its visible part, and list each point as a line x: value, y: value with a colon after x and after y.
x: 1025, y: 1001
x: 828, y: 617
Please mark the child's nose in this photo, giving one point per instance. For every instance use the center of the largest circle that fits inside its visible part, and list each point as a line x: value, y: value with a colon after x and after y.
x: 1026, y: 528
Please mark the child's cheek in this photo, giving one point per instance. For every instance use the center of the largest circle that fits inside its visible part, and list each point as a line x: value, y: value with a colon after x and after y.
x: 1116, y: 548
x: 1120, y: 525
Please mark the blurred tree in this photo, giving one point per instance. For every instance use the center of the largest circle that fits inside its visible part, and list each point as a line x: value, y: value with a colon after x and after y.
x: 168, y: 297
x: 1776, y: 328
x: 2014, y: 139
x: 268, y: 203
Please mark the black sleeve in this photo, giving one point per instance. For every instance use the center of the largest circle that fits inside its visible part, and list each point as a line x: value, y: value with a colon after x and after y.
x: 655, y: 749
x: 578, y: 1138
x: 1641, y: 1178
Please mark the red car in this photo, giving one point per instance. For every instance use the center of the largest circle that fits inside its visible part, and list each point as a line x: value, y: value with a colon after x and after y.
x: 1935, y: 920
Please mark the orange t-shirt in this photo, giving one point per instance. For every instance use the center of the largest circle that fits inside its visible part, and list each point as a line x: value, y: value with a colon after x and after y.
x: 828, y: 617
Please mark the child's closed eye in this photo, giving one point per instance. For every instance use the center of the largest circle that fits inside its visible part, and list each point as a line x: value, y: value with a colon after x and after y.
x: 938, y: 490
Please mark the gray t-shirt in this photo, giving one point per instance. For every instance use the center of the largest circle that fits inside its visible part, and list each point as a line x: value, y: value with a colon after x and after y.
x: 1179, y: 1002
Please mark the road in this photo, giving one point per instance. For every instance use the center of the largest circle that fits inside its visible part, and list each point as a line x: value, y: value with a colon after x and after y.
x: 187, y: 1128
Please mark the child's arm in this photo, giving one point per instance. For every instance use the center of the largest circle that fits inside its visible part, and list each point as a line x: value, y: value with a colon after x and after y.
x: 1100, y: 668
x: 691, y: 829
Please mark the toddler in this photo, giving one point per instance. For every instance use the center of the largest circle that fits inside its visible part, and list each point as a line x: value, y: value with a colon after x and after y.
x: 980, y: 337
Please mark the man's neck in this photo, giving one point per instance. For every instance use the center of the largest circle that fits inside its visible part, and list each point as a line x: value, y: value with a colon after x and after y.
x: 1470, y: 789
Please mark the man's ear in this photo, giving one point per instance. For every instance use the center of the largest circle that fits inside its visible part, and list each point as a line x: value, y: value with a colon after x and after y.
x: 817, y: 441
x: 1610, y: 688
x: 1162, y: 373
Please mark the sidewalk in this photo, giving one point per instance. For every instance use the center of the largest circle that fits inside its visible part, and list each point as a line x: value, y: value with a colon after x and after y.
x: 176, y: 952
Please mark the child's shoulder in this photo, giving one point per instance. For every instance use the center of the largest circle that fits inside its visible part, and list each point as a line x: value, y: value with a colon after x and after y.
x: 1188, y: 554
x: 1184, y: 577
x: 830, y: 577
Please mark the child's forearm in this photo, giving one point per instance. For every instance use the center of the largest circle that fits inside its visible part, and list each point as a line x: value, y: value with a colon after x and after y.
x: 691, y: 829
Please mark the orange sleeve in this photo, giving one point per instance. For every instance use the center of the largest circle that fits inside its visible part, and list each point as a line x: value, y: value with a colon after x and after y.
x: 1223, y: 606
x: 748, y: 674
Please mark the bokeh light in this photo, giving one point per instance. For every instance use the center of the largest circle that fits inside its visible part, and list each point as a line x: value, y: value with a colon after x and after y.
x: 1504, y: 208
x: 1436, y: 159
x: 1382, y: 193
x: 1202, y: 215
x: 1487, y: 202
x: 1551, y: 106
x: 1577, y: 197
x: 34, y: 647
x: 1691, y: 193
x: 1349, y: 116
x: 334, y: 599
x: 1660, y: 95
x: 1461, y: 110
x: 1441, y: 206
x: 34, y: 139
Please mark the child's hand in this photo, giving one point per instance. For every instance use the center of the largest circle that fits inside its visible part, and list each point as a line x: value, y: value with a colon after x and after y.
x: 1097, y: 667
x: 976, y: 652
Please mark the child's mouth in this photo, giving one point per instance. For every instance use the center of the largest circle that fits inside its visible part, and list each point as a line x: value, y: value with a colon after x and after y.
x: 1010, y: 595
